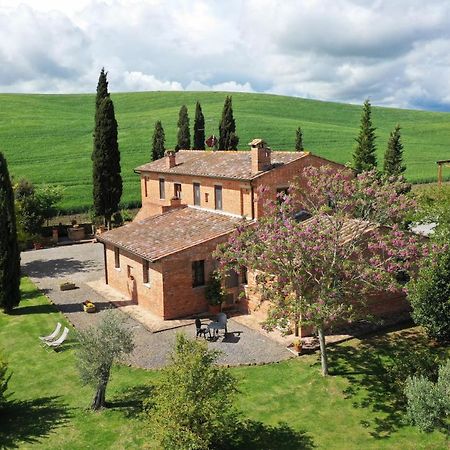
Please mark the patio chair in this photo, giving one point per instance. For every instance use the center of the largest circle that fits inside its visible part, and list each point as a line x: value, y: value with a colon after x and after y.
x: 201, y: 329
x: 219, y: 324
x: 52, y: 336
x: 56, y: 344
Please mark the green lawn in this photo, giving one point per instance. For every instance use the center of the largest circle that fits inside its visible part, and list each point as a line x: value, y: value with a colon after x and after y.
x: 352, y: 409
x: 48, y: 138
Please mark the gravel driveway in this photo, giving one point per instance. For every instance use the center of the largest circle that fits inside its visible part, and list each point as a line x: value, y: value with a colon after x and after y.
x: 83, y: 263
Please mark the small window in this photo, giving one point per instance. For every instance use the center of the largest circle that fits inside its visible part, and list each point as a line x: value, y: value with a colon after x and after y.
x: 177, y: 190
x: 281, y: 193
x: 197, y: 194
x: 244, y: 278
x: 116, y: 258
x: 162, y: 189
x: 198, y: 273
x: 218, y: 197
x: 232, y: 279
x: 145, y: 271
x: 145, y: 186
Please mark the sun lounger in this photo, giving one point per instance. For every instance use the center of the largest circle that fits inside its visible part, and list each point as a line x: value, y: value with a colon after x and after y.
x: 51, y: 337
x: 56, y: 344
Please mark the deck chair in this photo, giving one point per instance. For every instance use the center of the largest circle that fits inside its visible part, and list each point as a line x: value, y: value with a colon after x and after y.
x: 56, y: 344
x: 52, y: 336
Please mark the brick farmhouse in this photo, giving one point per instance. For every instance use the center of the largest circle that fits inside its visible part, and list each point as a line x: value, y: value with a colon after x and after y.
x: 192, y: 200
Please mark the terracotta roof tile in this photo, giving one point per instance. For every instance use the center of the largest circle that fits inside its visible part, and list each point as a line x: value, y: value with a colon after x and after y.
x: 158, y: 236
x: 221, y: 164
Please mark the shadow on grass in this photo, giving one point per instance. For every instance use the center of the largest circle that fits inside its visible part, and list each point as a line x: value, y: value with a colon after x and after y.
x: 131, y: 401
x: 377, y: 370
x: 34, y: 309
x: 31, y: 420
x: 253, y: 435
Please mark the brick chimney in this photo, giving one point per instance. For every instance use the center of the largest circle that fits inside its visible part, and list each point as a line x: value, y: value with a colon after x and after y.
x: 170, y: 159
x: 260, y: 155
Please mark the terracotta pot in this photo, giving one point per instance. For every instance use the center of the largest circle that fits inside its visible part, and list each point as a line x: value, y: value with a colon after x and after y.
x: 214, y: 309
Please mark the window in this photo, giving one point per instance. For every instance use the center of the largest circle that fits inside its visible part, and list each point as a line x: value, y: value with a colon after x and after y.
x: 116, y: 258
x: 162, y: 189
x: 281, y: 193
x: 198, y: 273
x: 145, y: 271
x: 197, y: 194
x: 177, y: 190
x: 232, y: 279
x: 145, y: 186
x: 218, y: 197
x: 244, y: 278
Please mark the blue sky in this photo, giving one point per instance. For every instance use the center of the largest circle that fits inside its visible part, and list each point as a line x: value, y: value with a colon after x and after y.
x: 395, y: 52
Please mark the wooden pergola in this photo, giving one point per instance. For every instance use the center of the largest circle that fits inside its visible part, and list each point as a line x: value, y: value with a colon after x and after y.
x: 442, y: 163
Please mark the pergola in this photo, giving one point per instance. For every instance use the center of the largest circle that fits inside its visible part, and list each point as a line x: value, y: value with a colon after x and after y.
x: 442, y: 163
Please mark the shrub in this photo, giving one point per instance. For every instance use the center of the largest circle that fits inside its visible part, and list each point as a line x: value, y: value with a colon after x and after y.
x: 428, y: 402
x: 192, y: 404
x: 430, y: 297
x: 4, y: 379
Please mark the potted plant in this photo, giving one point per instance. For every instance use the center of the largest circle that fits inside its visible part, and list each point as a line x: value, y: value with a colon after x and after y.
x: 214, y: 293
x: 297, y: 345
x: 67, y: 286
x: 88, y: 306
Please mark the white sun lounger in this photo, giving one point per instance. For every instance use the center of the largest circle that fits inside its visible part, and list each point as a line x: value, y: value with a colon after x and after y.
x: 51, y: 337
x: 55, y: 344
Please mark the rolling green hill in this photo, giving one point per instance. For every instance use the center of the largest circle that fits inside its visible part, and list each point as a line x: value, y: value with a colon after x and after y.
x: 48, y: 138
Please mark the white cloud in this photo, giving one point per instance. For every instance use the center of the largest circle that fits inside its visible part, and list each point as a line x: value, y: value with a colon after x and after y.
x: 396, y: 53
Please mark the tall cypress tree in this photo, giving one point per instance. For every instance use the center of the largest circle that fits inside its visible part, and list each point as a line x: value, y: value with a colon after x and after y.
x: 102, y: 88
x: 393, y: 158
x: 199, y: 128
x: 364, y: 157
x: 228, y: 139
x: 159, y: 139
x: 9, y: 249
x: 299, y: 140
x: 107, y: 181
x: 184, y: 135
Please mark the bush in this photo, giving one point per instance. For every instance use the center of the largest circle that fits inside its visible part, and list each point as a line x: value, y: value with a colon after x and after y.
x: 430, y: 297
x: 428, y: 402
x: 192, y: 404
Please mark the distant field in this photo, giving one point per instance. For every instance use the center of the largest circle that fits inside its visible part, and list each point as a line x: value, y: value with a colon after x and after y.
x: 48, y: 138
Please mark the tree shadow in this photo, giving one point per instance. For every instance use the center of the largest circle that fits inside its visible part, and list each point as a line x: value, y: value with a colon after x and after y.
x: 58, y: 268
x: 132, y: 400
x: 31, y: 420
x: 254, y: 435
x: 34, y: 309
x: 377, y: 369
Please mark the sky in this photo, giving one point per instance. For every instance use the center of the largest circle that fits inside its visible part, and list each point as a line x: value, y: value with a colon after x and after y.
x: 395, y: 52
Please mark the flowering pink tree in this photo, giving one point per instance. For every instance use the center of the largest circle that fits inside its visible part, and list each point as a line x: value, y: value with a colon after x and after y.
x: 320, y: 270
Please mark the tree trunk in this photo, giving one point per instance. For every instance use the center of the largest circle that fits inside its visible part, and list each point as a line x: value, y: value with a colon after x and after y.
x: 296, y: 329
x: 99, y: 399
x: 323, y: 351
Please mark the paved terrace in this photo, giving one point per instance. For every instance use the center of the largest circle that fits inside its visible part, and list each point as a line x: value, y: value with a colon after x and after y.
x: 83, y: 265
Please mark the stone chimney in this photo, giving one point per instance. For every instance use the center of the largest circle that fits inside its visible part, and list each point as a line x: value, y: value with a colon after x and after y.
x: 170, y: 159
x: 260, y: 155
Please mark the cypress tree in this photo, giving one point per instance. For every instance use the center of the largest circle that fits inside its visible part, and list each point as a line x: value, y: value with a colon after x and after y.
x: 102, y: 88
x: 159, y: 138
x: 364, y: 157
x: 299, y: 140
x: 393, y: 158
x: 184, y: 135
x: 107, y: 181
x: 228, y: 139
x: 9, y: 249
x: 199, y: 128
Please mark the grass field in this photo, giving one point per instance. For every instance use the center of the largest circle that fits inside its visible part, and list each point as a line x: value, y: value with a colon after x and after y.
x: 354, y: 408
x: 48, y: 138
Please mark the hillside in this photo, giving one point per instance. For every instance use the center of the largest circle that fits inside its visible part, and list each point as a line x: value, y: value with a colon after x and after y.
x: 48, y: 138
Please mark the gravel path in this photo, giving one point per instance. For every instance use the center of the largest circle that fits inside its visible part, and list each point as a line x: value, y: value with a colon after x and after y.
x: 83, y: 263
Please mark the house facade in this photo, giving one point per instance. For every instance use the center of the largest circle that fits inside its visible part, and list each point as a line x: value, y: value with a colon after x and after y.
x: 192, y: 200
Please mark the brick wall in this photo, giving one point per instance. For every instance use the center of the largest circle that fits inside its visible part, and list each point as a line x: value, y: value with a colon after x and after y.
x: 148, y: 295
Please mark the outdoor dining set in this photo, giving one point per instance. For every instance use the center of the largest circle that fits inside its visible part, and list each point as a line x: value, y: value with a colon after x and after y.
x: 212, y: 329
